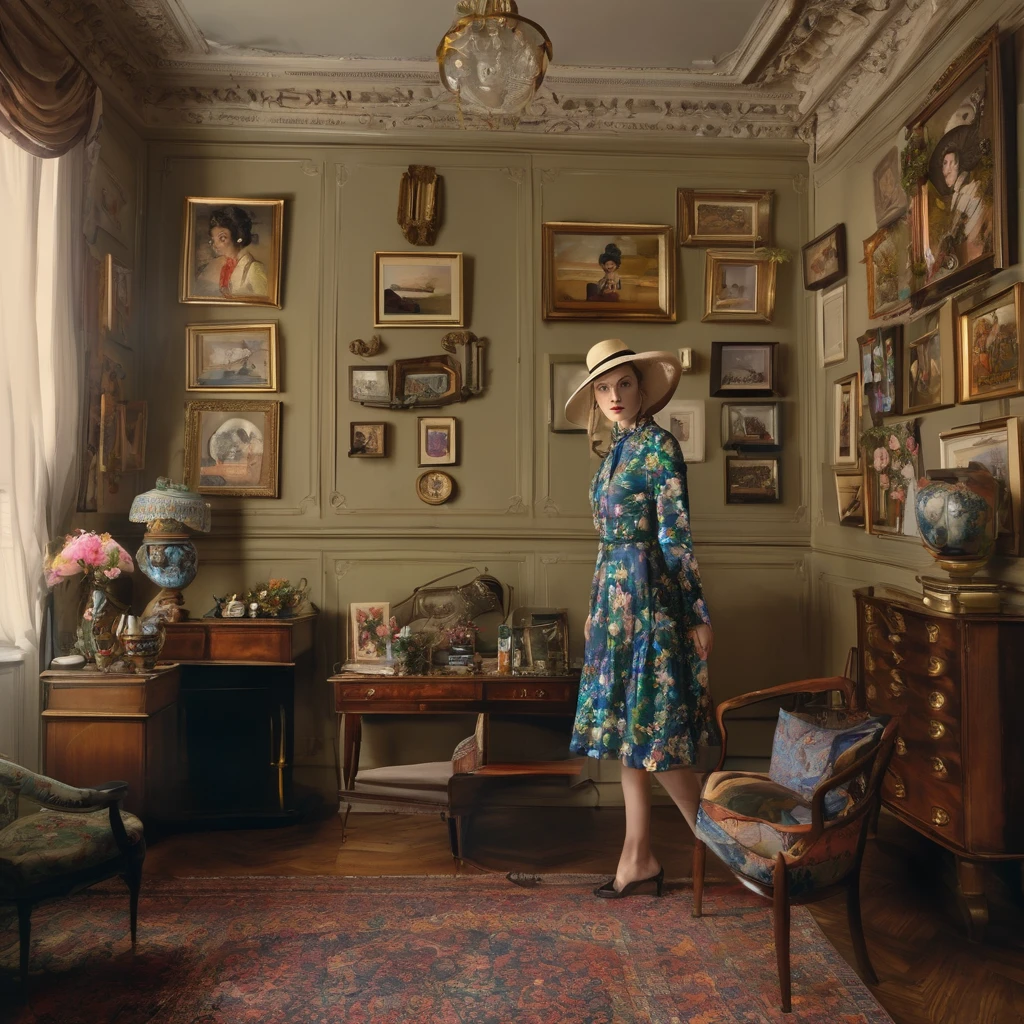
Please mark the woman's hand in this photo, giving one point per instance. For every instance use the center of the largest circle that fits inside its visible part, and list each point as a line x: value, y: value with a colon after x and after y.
x: 586, y: 629
x: 703, y: 637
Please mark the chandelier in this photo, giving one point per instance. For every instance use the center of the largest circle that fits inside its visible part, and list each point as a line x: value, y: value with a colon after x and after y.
x: 492, y: 58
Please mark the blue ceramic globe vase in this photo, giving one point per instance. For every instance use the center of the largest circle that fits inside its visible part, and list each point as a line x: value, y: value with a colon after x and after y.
x: 957, y: 516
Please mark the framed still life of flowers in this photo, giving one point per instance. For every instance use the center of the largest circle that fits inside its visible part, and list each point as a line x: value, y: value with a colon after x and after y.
x: 890, y: 476
x: 370, y: 630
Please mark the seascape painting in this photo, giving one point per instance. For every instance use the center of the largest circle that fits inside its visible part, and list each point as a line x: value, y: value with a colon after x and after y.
x: 418, y: 289
x: 232, y: 357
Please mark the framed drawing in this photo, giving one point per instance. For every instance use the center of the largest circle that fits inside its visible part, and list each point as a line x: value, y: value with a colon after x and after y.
x: 928, y: 362
x: 832, y: 326
x: 850, y: 498
x: 418, y: 289
x: 751, y: 426
x: 684, y: 420
x: 428, y: 380
x: 437, y: 441
x: 608, y: 271
x: 824, y: 258
x: 751, y: 481
x: 369, y: 625
x: 231, y: 447
x: 996, y: 445
x: 367, y: 440
x: 889, y: 269
x: 738, y: 287
x: 742, y: 369
x: 988, y: 347
x: 566, y: 373
x: 880, y: 370
x: 846, y: 421
x: 958, y: 144
x: 741, y: 218
x: 231, y: 357
x: 231, y: 251
x: 434, y: 487
x: 890, y: 199
x: 369, y: 385
x: 117, y: 300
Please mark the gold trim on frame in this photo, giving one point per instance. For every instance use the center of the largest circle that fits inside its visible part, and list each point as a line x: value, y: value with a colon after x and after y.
x: 440, y: 499
x: 271, y: 445
x: 764, y: 299
x: 686, y: 216
x: 192, y: 335
x: 963, y: 347
x: 945, y: 328
x: 457, y: 318
x: 856, y: 401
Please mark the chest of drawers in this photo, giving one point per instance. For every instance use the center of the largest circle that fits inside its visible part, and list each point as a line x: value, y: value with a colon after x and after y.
x: 956, y: 681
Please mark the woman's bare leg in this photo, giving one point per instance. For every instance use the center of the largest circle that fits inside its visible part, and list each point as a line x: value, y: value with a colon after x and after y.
x: 637, y: 859
x: 683, y: 785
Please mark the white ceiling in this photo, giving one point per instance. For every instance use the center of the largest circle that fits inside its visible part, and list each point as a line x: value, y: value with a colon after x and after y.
x: 683, y: 34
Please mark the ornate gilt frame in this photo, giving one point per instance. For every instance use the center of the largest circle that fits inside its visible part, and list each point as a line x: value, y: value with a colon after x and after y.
x: 764, y: 296
x: 192, y: 368
x: 963, y: 347
x: 686, y: 216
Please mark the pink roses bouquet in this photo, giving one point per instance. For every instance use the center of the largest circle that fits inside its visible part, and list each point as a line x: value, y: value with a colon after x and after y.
x: 90, y: 553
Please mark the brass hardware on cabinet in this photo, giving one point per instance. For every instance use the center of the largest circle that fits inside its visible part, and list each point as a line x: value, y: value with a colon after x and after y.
x: 933, y: 633
x: 897, y: 657
x: 874, y: 636
x: 541, y: 693
x: 901, y: 625
x: 936, y: 700
x: 896, y: 676
x: 939, y: 766
x: 898, y: 788
x: 872, y: 691
x: 869, y: 613
x: 869, y: 662
x: 936, y: 730
x: 936, y: 666
x: 895, y: 638
x: 370, y: 692
x: 895, y: 690
x: 939, y: 816
x: 901, y: 747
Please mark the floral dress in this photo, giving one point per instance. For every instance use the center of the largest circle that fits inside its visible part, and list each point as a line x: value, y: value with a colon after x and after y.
x: 644, y: 689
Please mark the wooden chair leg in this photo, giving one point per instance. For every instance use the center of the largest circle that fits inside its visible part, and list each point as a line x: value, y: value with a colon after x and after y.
x: 700, y: 852
x: 25, y: 937
x: 780, y: 916
x: 133, y: 877
x: 860, y: 947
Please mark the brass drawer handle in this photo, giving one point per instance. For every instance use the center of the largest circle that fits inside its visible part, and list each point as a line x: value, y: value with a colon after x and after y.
x: 936, y: 666
x: 898, y: 788
x: 936, y: 700
x: 897, y: 657
x: 895, y: 638
x: 933, y: 633
x: 895, y: 690
x: 370, y: 692
x: 542, y: 693
x: 872, y: 691
x: 901, y: 625
x: 939, y: 816
x: 939, y: 766
x: 936, y: 730
x: 901, y: 747
x: 869, y: 613
x: 897, y: 677
x: 869, y: 661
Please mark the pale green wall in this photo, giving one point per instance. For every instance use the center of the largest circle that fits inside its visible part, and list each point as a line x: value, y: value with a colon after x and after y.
x: 842, y: 192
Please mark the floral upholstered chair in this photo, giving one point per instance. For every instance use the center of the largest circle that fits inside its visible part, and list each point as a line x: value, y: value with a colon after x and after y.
x: 80, y: 837
x: 797, y: 833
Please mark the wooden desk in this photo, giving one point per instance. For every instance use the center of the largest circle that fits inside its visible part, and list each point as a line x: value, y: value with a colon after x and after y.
x: 238, y: 696
x: 105, y: 727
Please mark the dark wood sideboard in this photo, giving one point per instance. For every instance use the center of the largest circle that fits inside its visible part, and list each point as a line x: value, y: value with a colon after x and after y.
x: 955, y: 681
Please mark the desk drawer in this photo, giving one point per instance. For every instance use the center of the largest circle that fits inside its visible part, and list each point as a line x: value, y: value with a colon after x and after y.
x: 390, y: 691
x: 524, y: 689
x: 184, y: 643
x: 249, y: 643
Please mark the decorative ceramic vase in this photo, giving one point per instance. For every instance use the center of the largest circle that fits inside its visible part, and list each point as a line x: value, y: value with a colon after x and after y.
x: 143, y: 649
x: 98, y: 610
x: 957, y: 518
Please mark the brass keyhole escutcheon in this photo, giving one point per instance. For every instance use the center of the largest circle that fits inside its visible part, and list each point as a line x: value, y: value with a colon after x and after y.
x: 370, y: 692
x: 936, y: 666
x: 541, y: 693
x: 938, y: 766
x: 901, y: 747
x: 933, y: 633
x: 936, y: 700
x: 939, y: 816
x: 936, y: 730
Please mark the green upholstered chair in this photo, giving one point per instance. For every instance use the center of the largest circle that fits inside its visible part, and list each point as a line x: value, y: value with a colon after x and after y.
x: 80, y: 837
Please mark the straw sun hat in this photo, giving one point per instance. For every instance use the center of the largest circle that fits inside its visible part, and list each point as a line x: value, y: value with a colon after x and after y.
x: 660, y: 372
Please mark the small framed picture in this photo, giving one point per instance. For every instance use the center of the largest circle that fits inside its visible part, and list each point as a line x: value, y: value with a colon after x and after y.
x: 428, y: 380
x: 437, y: 441
x: 880, y: 371
x: 741, y: 218
x: 231, y: 357
x: 369, y: 628
x: 367, y: 440
x: 434, y: 487
x: 832, y: 326
x: 995, y: 444
x: 888, y: 263
x: 608, y: 271
x: 890, y: 199
x: 231, y: 447
x: 232, y: 251
x: 738, y: 287
x: 883, y: 514
x: 132, y: 421
x: 751, y: 426
x: 684, y: 420
x: 824, y: 258
x: 742, y: 369
x: 418, y: 289
x: 929, y: 351
x: 751, y: 481
x: 565, y: 375
x: 370, y: 385
x: 846, y: 399
x: 850, y: 497
x: 990, y: 362
x: 117, y: 300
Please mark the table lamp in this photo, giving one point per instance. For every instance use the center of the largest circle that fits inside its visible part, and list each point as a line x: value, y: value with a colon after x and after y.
x: 167, y: 555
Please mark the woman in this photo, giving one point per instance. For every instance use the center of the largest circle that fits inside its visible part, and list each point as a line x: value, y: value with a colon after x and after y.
x: 608, y: 287
x: 234, y: 270
x: 644, y: 688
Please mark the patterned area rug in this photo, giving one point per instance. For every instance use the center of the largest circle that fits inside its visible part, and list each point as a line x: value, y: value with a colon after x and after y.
x: 472, y: 950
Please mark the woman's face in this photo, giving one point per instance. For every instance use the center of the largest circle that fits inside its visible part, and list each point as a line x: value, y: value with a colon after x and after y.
x: 950, y: 168
x: 221, y: 242
x: 609, y: 266
x: 618, y: 395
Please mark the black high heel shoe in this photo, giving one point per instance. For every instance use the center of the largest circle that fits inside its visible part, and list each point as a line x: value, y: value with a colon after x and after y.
x: 609, y: 892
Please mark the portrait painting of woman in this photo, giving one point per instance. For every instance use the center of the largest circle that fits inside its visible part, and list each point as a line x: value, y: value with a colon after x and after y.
x: 232, y: 251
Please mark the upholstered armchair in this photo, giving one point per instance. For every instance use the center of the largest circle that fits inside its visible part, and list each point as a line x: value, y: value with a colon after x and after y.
x: 80, y: 837
x: 797, y: 833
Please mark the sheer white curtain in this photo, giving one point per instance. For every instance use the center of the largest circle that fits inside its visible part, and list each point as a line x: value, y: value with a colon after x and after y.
x: 41, y: 266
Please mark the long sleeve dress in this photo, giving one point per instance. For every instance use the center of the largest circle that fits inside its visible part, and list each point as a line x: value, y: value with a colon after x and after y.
x: 644, y: 689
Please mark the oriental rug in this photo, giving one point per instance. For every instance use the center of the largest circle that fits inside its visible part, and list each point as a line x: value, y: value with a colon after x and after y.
x: 401, y: 950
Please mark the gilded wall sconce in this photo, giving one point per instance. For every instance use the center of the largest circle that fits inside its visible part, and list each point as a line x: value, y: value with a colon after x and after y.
x: 419, y: 204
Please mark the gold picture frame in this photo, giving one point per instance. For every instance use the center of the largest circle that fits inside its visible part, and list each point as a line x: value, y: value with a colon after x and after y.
x: 740, y: 218
x: 117, y: 300
x: 232, y: 357
x: 597, y: 271
x: 883, y: 514
x: 846, y: 412
x: 437, y: 440
x: 989, y: 363
x: 888, y: 265
x: 929, y: 362
x: 364, y: 619
x: 434, y: 487
x: 367, y: 440
x: 231, y: 447
x: 739, y: 287
x: 418, y: 289
x: 850, y: 497
x: 227, y: 257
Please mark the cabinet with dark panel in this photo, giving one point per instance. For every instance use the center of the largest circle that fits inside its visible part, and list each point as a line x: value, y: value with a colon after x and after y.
x: 957, y: 774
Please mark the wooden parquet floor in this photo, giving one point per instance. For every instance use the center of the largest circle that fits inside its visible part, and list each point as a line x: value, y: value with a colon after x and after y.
x: 928, y: 972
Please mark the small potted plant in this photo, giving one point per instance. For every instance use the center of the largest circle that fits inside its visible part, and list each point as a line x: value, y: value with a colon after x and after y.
x: 460, y: 640
x: 412, y: 651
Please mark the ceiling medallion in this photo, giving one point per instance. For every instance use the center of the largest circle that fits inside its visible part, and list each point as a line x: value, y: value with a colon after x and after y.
x: 492, y: 58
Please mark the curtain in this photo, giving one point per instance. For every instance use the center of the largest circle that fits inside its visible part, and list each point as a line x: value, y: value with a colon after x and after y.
x: 41, y: 265
x: 46, y: 96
